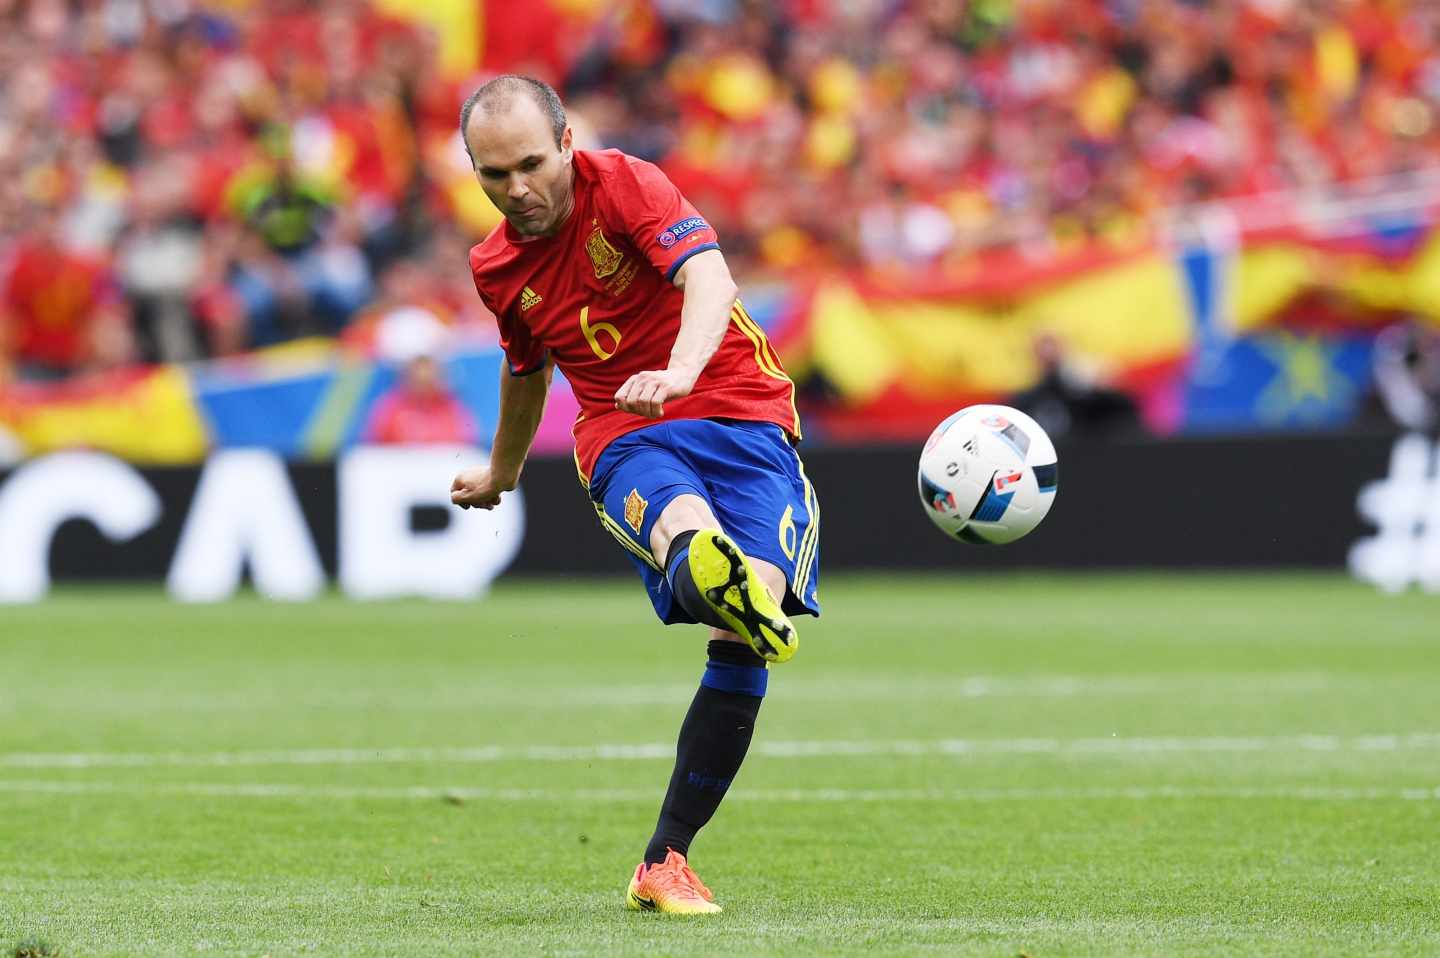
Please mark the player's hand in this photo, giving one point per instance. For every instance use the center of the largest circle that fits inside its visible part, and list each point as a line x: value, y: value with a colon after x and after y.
x: 478, y: 487
x: 646, y: 393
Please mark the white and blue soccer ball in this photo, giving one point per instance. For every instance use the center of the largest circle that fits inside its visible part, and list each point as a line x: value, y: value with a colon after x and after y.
x: 987, y: 475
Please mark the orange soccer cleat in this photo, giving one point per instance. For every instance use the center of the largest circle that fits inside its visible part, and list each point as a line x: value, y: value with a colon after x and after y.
x: 670, y: 887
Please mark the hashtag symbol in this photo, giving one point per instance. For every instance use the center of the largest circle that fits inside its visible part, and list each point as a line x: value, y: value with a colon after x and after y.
x: 1405, y: 510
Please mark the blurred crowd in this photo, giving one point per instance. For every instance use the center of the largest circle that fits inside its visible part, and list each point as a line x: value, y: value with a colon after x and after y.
x: 900, y: 135
x: 182, y: 179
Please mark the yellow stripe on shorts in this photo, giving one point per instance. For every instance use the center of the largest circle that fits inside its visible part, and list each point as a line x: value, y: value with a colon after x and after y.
x: 805, y: 558
x: 624, y: 539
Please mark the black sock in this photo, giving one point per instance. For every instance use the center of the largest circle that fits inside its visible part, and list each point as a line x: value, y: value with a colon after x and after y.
x: 713, y: 741
x: 682, y: 583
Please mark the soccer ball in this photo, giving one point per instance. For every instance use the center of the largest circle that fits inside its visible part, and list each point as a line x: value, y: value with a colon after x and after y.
x: 987, y: 475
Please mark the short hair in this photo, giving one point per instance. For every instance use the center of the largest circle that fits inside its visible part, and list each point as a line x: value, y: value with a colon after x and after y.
x: 499, y: 93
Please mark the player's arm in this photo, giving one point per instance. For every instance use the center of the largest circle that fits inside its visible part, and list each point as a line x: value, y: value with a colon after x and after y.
x: 522, y: 403
x: 709, y: 294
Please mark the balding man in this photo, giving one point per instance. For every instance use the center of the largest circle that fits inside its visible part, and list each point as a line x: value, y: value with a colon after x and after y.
x: 687, y: 426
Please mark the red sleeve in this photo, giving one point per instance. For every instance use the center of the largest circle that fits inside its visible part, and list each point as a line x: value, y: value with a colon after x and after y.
x: 523, y: 353
x: 659, y: 221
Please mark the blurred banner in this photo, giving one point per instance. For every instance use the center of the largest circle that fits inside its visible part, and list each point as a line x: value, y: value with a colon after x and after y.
x: 897, y: 358
x: 1274, y: 334
x: 144, y: 415
x: 378, y: 522
x: 306, y: 400
x: 381, y: 516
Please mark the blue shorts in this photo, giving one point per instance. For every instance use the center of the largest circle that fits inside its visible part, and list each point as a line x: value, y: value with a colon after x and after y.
x: 748, y: 473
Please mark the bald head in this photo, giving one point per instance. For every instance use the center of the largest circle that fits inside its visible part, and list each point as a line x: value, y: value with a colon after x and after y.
x: 514, y: 130
x: 500, y: 97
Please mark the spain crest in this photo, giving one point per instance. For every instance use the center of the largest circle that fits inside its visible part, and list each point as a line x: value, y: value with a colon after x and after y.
x: 635, y: 510
x: 604, y: 257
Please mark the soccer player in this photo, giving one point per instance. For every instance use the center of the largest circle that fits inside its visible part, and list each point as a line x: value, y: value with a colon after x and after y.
x: 685, y: 438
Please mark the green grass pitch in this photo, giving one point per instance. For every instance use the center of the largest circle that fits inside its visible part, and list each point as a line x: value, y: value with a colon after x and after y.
x: 1088, y: 765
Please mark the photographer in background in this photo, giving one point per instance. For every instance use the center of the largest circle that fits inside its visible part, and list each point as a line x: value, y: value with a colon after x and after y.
x: 421, y: 409
x: 1067, y: 402
x: 1407, y: 376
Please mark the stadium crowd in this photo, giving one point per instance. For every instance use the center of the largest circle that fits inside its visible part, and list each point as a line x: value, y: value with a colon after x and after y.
x: 182, y: 179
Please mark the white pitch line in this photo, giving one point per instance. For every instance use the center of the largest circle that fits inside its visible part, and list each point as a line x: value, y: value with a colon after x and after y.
x: 426, y: 793
x: 829, y: 689
x: 1079, y: 747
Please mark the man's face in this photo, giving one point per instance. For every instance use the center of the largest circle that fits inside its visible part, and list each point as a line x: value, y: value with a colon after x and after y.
x: 422, y: 375
x: 520, y: 168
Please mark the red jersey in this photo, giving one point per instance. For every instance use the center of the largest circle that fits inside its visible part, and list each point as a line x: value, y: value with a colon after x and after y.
x: 52, y: 297
x: 598, y: 298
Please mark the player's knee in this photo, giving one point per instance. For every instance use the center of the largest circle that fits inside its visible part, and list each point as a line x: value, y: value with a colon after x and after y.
x: 721, y: 635
x: 687, y: 512
x: 772, y: 576
x: 682, y: 514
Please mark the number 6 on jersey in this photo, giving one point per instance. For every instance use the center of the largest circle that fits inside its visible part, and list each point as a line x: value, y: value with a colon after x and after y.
x: 590, y: 332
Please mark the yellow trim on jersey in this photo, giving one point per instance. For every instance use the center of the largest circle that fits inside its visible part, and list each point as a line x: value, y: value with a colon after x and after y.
x: 584, y: 479
x: 754, y: 341
x: 756, y: 335
x: 624, y: 538
x: 770, y: 353
x: 806, y: 561
x: 765, y: 356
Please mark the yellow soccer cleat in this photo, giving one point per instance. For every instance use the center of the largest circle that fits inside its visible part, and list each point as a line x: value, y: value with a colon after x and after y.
x: 730, y: 585
x: 670, y: 887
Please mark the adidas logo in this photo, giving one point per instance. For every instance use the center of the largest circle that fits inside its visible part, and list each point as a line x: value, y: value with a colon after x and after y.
x: 528, y: 298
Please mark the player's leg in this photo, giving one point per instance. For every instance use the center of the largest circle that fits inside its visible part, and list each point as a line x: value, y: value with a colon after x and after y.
x: 759, y: 494
x: 770, y: 513
x: 709, y: 751
x: 716, y: 732
x: 639, y: 481
x: 717, y: 583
